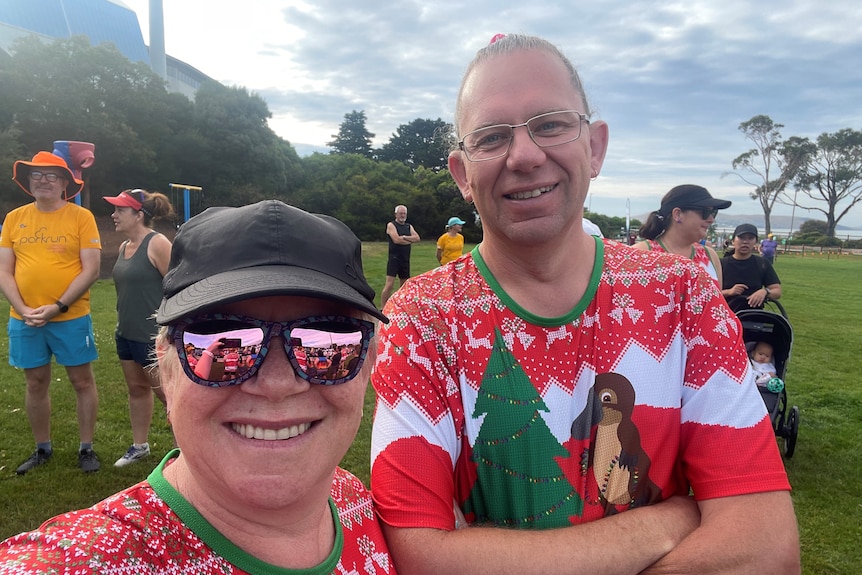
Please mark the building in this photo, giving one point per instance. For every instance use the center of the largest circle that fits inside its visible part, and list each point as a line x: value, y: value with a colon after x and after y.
x: 101, y: 21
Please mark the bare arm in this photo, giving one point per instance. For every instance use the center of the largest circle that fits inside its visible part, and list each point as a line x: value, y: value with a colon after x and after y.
x: 159, y: 253
x: 754, y: 533
x: 393, y: 235
x: 91, y: 260
x: 758, y: 298
x: 8, y: 283
x: 413, y: 237
x: 625, y: 543
x: 735, y: 289
x: 716, y: 263
x: 774, y: 291
x: 439, y: 254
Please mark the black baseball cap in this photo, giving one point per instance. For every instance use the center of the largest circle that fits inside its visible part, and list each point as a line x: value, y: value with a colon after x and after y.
x: 690, y: 196
x: 229, y: 254
x: 745, y: 229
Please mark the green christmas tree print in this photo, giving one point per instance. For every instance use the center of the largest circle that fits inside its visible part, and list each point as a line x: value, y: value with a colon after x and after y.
x: 519, y: 482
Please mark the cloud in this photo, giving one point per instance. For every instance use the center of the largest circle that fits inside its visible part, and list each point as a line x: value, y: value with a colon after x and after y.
x: 673, y: 79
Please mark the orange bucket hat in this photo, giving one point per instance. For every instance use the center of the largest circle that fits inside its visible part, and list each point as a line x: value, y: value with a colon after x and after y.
x: 21, y: 173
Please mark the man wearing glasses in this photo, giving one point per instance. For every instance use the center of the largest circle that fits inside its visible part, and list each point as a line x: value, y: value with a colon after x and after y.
x: 749, y: 279
x: 50, y: 254
x: 547, y: 405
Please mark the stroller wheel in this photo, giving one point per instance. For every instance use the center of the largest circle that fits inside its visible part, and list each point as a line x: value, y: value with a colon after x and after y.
x: 790, y: 432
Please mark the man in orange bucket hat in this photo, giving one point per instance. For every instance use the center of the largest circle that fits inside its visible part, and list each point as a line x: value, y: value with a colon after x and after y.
x: 50, y: 252
x: 21, y: 173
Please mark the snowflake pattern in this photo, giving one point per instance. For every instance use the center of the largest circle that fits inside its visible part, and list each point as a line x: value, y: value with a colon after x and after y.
x: 136, y: 532
x: 652, y: 298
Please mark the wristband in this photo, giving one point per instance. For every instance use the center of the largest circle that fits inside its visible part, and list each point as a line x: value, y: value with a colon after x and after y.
x: 208, y: 352
x: 766, y: 289
x: 63, y: 307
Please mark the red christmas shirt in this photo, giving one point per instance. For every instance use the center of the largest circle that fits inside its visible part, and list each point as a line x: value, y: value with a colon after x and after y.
x: 150, y: 529
x: 643, y: 391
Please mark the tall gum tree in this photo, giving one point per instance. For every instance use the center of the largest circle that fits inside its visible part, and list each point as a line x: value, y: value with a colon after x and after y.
x: 830, y: 176
x: 768, y: 167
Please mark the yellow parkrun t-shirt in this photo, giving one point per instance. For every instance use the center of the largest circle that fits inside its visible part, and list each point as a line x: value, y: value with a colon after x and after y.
x: 452, y: 248
x: 47, y: 247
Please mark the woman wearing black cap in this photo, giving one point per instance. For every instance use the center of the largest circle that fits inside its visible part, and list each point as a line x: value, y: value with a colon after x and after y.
x: 681, y: 223
x: 255, y: 485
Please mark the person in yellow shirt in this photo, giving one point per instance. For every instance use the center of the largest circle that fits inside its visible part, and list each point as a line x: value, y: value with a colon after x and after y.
x: 50, y: 252
x: 450, y: 245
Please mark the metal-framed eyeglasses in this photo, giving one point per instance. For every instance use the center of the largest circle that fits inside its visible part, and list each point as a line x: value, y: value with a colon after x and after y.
x: 546, y: 130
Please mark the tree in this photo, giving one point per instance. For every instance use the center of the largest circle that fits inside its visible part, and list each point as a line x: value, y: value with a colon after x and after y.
x: 353, y: 137
x: 243, y: 153
x: 11, y: 150
x: 611, y: 226
x: 813, y: 227
x: 419, y: 143
x: 70, y: 90
x: 830, y: 174
x: 503, y: 446
x: 768, y: 159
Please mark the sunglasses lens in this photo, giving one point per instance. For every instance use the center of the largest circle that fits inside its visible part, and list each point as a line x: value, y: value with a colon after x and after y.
x: 234, y: 346
x: 328, y: 351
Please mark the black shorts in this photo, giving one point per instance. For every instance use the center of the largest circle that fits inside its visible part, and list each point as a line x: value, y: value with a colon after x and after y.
x: 139, y: 352
x: 396, y: 267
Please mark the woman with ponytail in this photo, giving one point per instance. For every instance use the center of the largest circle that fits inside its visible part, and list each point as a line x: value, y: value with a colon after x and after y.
x: 681, y: 223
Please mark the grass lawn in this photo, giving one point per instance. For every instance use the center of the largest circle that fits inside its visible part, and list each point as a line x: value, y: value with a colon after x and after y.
x: 823, y: 300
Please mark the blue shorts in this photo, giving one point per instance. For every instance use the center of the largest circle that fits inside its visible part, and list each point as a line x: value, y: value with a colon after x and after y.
x: 71, y: 342
x: 137, y: 351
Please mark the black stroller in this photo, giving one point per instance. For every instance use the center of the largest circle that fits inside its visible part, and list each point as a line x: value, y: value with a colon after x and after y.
x: 773, y: 328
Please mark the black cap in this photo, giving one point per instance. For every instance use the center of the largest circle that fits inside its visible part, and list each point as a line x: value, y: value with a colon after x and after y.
x: 269, y: 248
x: 745, y: 229
x: 690, y: 196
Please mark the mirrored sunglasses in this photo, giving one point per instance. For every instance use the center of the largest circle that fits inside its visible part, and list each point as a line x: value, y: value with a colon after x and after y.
x: 220, y: 350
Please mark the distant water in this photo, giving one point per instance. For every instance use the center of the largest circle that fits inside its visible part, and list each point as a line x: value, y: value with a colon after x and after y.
x: 727, y: 231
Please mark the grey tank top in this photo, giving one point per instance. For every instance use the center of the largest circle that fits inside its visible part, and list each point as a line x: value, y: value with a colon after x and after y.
x: 139, y: 293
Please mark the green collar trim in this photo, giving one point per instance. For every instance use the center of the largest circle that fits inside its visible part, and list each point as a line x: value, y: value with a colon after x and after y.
x: 595, y: 276
x: 221, y: 545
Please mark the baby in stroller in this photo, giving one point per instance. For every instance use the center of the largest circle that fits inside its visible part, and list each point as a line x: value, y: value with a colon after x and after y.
x: 761, y: 362
x: 768, y: 339
x: 765, y: 374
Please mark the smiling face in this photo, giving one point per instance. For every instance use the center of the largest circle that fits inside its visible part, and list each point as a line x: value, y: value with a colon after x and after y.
x: 45, y: 191
x: 532, y: 195
x: 222, y: 462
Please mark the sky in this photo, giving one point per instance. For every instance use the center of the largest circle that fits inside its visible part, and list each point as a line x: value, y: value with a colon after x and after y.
x: 673, y: 80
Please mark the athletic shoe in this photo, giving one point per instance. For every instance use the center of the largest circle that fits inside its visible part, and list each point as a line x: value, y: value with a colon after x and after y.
x: 38, y: 457
x: 88, y: 461
x: 133, y: 454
